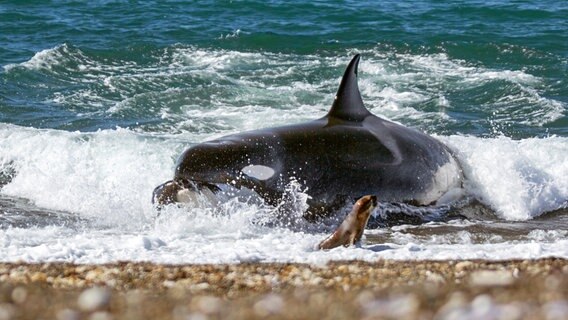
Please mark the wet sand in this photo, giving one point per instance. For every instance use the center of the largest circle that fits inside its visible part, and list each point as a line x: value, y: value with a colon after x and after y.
x: 523, y: 289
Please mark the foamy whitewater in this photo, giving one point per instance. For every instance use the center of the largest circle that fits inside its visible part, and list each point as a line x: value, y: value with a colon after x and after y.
x: 99, y: 184
x: 79, y: 189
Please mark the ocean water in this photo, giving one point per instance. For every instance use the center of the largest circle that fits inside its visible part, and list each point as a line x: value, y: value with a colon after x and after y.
x: 99, y: 98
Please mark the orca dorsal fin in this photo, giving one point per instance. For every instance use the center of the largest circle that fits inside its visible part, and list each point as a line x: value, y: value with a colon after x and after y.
x: 348, y: 104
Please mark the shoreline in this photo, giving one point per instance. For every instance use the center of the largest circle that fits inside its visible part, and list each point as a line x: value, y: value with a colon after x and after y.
x: 512, y: 289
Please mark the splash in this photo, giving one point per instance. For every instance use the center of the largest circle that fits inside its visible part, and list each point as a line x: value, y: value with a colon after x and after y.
x: 107, y: 176
x: 519, y: 179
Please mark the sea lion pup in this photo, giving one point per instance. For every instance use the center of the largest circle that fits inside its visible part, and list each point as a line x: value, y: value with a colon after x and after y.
x: 351, y: 229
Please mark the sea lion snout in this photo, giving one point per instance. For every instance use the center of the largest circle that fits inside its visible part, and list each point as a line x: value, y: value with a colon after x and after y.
x: 374, y: 200
x: 368, y: 202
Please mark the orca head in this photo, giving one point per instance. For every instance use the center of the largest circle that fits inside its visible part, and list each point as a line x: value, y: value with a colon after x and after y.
x: 225, y: 161
x: 348, y: 104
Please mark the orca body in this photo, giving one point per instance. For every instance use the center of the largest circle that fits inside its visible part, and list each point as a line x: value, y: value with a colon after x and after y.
x: 337, y: 159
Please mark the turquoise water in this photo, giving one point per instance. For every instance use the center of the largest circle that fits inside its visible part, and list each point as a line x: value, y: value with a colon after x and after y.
x: 99, y: 98
x: 473, y: 67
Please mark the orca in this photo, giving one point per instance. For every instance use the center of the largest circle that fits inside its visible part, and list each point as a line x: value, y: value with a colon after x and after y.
x: 345, y: 155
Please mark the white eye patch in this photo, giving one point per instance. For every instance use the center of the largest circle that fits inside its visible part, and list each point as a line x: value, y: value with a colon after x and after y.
x: 258, y: 171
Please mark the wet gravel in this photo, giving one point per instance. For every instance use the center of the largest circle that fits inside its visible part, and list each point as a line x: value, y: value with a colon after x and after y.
x: 520, y: 289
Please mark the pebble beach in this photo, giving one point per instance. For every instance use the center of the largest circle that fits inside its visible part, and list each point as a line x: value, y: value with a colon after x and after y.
x: 99, y: 99
x: 516, y: 289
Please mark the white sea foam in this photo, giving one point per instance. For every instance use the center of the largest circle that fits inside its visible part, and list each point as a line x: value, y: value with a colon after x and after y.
x: 211, y: 243
x: 519, y: 179
x: 107, y: 177
x: 44, y: 59
x: 395, y: 85
x: 397, y: 80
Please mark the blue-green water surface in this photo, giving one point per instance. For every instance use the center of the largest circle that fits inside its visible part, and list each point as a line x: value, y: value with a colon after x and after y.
x: 151, y: 58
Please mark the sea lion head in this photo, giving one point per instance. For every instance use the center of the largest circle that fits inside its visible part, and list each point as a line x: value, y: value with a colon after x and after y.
x: 365, y: 204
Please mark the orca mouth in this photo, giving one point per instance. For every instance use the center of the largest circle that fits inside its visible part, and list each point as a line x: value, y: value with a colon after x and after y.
x: 197, y: 180
x: 167, y: 192
x: 196, y: 185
